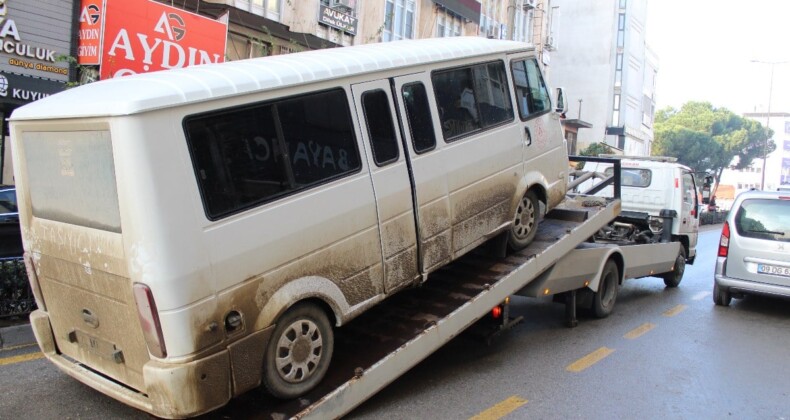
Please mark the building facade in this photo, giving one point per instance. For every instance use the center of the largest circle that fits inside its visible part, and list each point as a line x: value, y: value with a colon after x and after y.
x: 608, y: 72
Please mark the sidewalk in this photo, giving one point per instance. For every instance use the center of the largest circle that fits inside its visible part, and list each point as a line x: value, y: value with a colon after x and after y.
x: 16, y: 332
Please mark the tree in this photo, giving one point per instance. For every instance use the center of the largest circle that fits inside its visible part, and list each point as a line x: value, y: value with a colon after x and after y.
x: 708, y: 139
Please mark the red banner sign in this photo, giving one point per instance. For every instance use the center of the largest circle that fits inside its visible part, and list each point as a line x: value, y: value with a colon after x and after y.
x: 91, y: 13
x: 143, y: 36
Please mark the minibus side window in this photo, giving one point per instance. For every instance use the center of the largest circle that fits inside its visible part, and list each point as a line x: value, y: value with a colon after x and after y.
x: 250, y: 155
x: 472, y: 98
x: 381, y: 132
x: 532, y: 96
x: 418, y: 113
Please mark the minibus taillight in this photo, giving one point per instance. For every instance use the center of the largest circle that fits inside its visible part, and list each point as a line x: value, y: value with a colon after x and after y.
x: 149, y: 320
x: 724, y: 242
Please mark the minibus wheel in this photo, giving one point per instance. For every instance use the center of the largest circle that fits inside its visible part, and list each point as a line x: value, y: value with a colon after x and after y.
x: 299, y: 351
x: 525, y: 222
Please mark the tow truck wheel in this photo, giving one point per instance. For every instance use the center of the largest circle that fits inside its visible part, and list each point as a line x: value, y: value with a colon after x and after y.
x: 525, y: 223
x: 298, y: 354
x: 605, y: 298
x: 721, y: 297
x: 673, y: 278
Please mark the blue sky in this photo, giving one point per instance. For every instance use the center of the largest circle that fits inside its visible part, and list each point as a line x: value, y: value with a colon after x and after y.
x: 705, y: 48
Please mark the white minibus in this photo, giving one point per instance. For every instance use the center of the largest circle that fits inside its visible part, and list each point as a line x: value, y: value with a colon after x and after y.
x: 191, y: 234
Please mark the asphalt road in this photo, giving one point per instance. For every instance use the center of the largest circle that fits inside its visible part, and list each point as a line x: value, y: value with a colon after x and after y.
x: 663, y: 353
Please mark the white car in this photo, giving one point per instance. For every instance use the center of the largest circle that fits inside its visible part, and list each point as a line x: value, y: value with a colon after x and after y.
x: 754, y: 249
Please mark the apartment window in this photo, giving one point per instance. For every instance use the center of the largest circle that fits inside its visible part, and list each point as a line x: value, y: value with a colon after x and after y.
x: 250, y: 155
x: 447, y: 24
x: 616, y: 111
x: 398, y: 20
x: 621, y: 30
x: 622, y: 4
x: 267, y: 8
x: 648, y: 109
x: 523, y: 23
x: 618, y: 70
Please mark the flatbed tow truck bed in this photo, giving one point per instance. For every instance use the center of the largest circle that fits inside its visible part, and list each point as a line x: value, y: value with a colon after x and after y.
x: 386, y: 341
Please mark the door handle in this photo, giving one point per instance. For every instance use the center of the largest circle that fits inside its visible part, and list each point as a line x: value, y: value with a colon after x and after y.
x: 529, y: 136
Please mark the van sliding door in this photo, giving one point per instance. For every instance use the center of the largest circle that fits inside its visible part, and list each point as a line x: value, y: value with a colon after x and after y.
x: 428, y: 168
x: 391, y: 186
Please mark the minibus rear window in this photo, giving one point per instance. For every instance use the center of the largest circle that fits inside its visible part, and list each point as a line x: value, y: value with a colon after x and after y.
x: 632, y: 177
x: 250, y: 155
x: 71, y: 178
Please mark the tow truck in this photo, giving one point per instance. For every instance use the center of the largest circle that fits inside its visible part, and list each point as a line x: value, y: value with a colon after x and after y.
x: 385, y: 342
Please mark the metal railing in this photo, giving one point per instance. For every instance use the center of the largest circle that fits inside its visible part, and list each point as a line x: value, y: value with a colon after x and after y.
x: 16, y: 298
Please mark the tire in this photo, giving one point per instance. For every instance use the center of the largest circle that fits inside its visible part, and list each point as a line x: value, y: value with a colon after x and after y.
x: 606, y: 296
x: 525, y: 222
x: 304, y: 340
x: 673, y: 278
x: 721, y: 297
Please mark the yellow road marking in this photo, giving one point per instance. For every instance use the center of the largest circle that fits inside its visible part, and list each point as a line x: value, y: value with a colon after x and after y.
x: 501, y: 410
x: 21, y: 358
x: 589, y: 360
x: 22, y: 346
x: 639, y: 331
x: 676, y: 310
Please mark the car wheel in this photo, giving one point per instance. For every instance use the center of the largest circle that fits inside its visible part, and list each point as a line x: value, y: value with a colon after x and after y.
x: 721, y: 297
x: 525, y: 222
x: 299, y: 351
x: 673, y: 278
x: 605, y: 298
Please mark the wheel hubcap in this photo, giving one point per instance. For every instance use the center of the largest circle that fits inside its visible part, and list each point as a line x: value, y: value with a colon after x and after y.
x: 525, y: 218
x: 299, y: 351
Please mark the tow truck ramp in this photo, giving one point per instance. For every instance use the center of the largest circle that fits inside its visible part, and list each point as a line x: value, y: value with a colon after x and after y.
x: 388, y: 340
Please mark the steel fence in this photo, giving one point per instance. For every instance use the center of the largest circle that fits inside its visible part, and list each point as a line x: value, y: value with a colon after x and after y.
x: 16, y: 298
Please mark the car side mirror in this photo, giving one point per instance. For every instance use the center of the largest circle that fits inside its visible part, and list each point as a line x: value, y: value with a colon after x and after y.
x: 562, y: 105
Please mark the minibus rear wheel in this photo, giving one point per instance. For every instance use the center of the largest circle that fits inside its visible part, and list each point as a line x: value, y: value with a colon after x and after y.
x: 299, y: 351
x: 525, y: 222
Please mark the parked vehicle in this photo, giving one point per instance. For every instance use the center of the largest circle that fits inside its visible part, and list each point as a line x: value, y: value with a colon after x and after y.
x: 10, y: 235
x: 193, y: 233
x: 754, y: 249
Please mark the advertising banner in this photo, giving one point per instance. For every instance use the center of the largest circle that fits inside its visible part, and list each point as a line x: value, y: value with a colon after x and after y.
x: 35, y: 35
x: 91, y: 20
x: 143, y: 36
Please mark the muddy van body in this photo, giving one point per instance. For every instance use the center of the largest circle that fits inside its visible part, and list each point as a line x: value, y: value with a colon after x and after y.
x: 194, y: 233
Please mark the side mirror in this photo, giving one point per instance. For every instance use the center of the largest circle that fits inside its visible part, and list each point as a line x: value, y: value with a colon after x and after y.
x: 562, y: 106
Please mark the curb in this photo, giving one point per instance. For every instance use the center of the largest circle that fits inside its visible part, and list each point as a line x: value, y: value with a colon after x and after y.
x: 17, y: 335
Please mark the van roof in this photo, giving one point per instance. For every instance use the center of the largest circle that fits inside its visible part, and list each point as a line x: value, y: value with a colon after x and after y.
x: 149, y: 91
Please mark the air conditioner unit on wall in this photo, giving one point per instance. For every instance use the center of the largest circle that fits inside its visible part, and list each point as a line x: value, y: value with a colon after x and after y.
x: 530, y: 4
x: 549, y: 44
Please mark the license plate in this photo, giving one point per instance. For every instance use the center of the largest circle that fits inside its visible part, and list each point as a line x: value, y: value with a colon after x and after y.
x: 99, y: 347
x: 773, y: 269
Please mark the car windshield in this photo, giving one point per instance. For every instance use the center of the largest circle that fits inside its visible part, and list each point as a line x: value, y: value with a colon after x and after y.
x: 8, y: 201
x: 764, y: 219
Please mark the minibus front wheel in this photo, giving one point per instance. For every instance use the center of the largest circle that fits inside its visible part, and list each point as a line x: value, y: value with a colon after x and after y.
x: 299, y: 351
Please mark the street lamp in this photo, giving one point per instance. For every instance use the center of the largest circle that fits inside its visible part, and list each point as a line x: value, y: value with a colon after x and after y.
x: 768, y: 118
